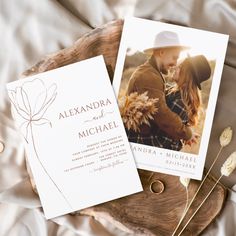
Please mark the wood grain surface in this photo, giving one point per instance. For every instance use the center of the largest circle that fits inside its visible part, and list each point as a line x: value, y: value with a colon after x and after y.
x: 149, y: 214
x: 144, y: 213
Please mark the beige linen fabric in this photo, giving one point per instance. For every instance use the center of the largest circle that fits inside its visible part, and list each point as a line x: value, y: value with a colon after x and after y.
x: 30, y: 29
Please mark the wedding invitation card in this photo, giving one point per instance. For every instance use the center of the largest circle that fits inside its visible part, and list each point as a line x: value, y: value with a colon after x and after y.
x: 166, y: 81
x: 75, y: 140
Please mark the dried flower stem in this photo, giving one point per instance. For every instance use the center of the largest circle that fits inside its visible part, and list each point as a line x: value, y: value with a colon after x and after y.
x: 195, y: 212
x: 183, y: 214
x: 186, y: 205
x: 150, y: 176
x: 199, y: 188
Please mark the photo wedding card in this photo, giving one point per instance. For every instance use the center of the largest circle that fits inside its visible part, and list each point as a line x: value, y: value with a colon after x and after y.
x: 74, y: 136
x: 166, y: 81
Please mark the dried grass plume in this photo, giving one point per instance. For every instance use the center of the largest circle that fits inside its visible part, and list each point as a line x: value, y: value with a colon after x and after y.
x: 229, y: 165
x: 184, y: 181
x: 137, y: 109
x: 226, y: 136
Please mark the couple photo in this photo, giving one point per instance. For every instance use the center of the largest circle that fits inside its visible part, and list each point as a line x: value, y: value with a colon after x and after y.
x: 164, y: 94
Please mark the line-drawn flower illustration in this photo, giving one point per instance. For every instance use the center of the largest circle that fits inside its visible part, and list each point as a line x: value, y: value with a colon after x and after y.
x: 31, y: 101
x: 31, y: 104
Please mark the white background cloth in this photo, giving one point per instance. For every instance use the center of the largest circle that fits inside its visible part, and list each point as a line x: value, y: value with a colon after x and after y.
x: 31, y: 29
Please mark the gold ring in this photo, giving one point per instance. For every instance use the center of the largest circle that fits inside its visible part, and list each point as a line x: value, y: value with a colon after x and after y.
x: 157, y: 187
x: 2, y: 146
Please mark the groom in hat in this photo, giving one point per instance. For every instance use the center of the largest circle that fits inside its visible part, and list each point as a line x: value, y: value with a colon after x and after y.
x: 149, y: 77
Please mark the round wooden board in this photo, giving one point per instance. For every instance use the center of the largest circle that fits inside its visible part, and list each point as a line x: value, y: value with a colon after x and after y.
x: 144, y: 213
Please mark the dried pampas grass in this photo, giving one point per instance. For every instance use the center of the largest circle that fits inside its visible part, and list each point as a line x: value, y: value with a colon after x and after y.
x: 227, y: 168
x: 226, y: 136
x: 137, y: 109
x: 185, y: 182
x: 229, y: 165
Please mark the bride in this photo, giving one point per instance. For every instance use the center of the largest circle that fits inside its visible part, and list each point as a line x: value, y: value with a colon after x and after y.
x: 184, y: 97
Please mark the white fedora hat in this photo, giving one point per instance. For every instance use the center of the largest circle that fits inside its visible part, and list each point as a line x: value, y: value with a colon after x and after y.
x: 166, y: 39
